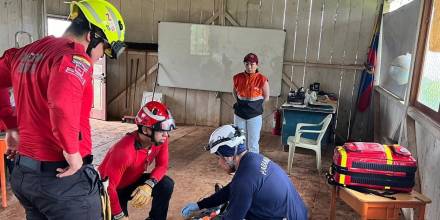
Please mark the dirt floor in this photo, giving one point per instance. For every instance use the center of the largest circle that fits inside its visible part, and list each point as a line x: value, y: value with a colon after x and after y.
x: 195, y: 172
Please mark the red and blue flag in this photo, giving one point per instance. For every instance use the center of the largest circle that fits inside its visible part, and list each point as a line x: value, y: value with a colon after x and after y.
x: 367, y: 79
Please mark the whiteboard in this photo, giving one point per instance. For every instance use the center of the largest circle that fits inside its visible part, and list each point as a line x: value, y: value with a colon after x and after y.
x: 206, y: 57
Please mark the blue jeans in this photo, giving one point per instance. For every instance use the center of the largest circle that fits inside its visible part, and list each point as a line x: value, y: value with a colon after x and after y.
x: 252, y: 127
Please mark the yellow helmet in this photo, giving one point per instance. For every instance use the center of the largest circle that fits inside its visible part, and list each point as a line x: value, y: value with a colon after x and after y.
x: 106, y: 17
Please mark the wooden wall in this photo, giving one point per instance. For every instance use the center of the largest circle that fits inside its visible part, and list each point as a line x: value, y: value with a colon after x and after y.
x: 428, y: 155
x: 397, y: 123
x: 319, y: 31
x: 19, y: 15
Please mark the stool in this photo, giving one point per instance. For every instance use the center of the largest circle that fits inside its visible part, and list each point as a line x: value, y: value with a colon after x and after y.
x: 370, y: 206
x: 3, y: 171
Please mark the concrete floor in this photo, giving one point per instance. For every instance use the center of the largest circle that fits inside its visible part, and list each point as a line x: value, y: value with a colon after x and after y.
x: 195, y: 172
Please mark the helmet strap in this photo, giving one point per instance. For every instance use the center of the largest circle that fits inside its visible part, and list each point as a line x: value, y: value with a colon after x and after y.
x: 95, y: 38
x: 231, y: 165
x: 234, y: 168
x: 94, y: 41
x: 151, y: 136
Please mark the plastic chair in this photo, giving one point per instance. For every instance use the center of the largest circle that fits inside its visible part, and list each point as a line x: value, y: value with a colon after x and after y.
x: 312, y: 144
x: 3, y: 171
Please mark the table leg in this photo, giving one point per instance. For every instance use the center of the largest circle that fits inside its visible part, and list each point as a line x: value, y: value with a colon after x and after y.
x: 333, y: 203
x: 422, y: 212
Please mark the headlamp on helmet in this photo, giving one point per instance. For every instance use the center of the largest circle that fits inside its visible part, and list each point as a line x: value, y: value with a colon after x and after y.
x: 226, y: 135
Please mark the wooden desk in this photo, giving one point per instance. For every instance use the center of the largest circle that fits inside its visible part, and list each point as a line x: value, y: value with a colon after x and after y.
x: 375, y: 207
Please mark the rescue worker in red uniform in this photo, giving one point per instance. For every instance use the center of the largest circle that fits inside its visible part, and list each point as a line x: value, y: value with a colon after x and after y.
x: 53, y: 92
x: 126, y: 164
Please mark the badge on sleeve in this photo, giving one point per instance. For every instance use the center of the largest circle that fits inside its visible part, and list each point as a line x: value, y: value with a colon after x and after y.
x: 78, y: 67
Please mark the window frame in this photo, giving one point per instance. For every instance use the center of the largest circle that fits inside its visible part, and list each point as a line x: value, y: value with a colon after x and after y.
x: 52, y: 16
x: 419, y: 60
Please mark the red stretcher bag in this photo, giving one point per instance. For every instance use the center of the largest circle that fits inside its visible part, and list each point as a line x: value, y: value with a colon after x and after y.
x: 373, y: 166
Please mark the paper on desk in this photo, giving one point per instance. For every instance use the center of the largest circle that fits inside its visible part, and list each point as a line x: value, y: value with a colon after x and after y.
x: 293, y: 105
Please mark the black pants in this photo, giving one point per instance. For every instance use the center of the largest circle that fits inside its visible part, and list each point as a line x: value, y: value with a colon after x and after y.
x: 45, y: 196
x: 161, y: 196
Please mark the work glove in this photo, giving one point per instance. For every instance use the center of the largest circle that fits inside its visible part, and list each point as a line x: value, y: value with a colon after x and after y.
x: 141, y: 196
x: 189, y: 209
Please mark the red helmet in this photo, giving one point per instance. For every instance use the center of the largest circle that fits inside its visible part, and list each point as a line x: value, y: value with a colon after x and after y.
x: 156, y: 116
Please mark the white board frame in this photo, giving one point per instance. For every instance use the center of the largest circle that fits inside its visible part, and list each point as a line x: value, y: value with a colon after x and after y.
x: 216, y: 55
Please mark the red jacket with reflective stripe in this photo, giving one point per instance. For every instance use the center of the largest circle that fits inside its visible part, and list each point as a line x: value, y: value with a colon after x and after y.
x: 51, y: 80
x: 125, y: 163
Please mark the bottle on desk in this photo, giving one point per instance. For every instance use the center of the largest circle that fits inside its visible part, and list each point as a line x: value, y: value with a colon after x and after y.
x: 307, y: 98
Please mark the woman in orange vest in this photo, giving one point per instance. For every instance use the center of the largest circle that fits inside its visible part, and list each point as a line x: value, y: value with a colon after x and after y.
x: 251, y: 89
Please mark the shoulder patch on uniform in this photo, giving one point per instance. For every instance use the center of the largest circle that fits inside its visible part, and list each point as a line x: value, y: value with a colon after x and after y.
x: 78, y: 67
x: 81, y: 61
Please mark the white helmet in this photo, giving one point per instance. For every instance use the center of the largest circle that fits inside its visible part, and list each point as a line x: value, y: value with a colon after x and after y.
x: 226, y: 135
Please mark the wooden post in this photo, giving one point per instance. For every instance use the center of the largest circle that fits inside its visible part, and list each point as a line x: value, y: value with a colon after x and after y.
x: 222, y: 14
x: 376, y: 116
x: 222, y: 11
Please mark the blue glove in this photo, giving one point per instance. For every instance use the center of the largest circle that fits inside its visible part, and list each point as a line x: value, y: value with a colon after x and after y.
x: 189, y: 209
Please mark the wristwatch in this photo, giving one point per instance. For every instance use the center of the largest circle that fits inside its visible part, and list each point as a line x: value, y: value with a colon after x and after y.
x: 151, y: 182
x: 119, y: 216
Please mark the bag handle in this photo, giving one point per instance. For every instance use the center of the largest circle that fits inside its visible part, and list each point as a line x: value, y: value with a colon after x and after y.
x: 397, y: 149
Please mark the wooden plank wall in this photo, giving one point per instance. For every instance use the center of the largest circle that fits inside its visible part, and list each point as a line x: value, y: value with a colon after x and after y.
x: 318, y: 31
x: 422, y: 140
x: 19, y: 15
x: 428, y: 154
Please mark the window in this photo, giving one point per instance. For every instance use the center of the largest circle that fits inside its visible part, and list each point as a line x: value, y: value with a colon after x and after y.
x: 399, y: 34
x: 427, y: 82
x: 57, y: 25
x: 396, y: 4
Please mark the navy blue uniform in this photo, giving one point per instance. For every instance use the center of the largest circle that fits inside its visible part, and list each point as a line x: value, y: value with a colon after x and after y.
x: 260, y: 189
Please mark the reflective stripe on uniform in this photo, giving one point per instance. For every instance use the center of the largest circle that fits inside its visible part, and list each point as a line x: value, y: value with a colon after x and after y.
x: 250, y: 98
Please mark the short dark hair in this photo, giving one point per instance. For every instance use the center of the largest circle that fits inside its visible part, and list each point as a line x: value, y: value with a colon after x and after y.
x: 79, y: 26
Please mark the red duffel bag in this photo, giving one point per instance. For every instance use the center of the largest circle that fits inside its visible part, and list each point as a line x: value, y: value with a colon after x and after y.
x: 373, y: 166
